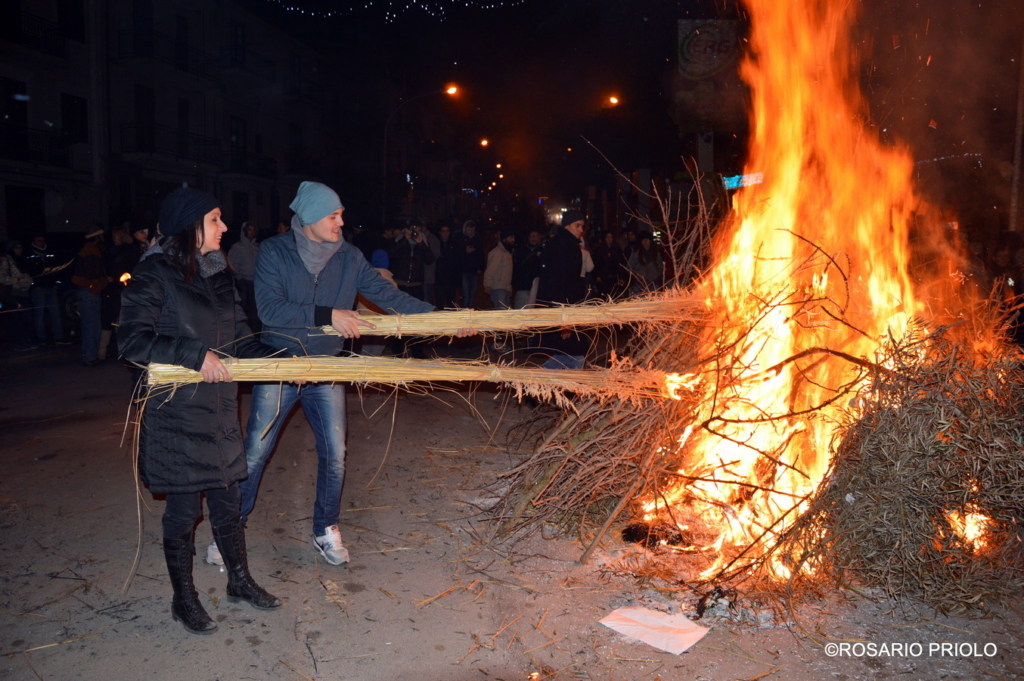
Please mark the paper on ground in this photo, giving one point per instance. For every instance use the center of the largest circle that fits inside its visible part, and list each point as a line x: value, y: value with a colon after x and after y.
x: 671, y: 633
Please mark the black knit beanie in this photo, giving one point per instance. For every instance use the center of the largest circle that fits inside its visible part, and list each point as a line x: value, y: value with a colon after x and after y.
x: 184, y: 207
x: 571, y: 216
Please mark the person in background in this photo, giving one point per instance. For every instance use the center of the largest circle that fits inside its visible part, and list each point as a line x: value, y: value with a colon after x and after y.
x: 472, y: 260
x: 409, y: 256
x: 122, y: 255
x: 180, y: 308
x: 609, y: 264
x: 242, y: 257
x: 282, y: 227
x: 45, y: 269
x: 588, y: 266
x: 16, y: 283
x: 526, y: 269
x: 430, y: 268
x: 143, y: 239
x: 448, y: 274
x: 561, y: 284
x: 629, y: 234
x: 498, y: 274
x: 646, y: 265
x: 91, y: 279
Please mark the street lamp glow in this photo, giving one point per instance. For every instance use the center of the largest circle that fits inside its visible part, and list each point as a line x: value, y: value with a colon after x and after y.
x: 452, y: 89
x: 484, y: 142
x: 501, y: 177
x: 613, y: 100
x: 497, y: 166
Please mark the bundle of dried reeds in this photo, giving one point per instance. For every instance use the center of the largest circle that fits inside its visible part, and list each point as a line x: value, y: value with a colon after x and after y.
x: 622, y: 382
x: 670, y: 306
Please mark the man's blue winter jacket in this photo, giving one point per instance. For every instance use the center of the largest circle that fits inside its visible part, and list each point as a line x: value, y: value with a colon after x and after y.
x: 291, y: 301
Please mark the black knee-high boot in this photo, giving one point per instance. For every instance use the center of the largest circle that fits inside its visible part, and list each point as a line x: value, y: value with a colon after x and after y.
x: 185, y: 607
x: 230, y: 538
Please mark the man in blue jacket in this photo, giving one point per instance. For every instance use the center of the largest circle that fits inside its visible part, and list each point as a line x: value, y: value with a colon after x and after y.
x: 309, y: 277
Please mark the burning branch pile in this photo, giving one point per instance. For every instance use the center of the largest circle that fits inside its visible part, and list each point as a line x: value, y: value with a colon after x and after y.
x: 817, y: 434
x: 926, y: 490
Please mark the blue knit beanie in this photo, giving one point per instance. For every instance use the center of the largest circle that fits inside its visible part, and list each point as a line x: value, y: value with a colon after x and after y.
x: 183, y: 208
x: 314, y: 201
x: 379, y: 259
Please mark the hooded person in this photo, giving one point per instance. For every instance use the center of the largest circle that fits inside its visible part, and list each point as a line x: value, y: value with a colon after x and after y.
x: 309, y: 277
x: 180, y: 308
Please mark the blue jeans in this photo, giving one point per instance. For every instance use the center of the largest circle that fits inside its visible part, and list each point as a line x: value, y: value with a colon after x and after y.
x: 469, y: 284
x: 89, y: 310
x: 563, y: 362
x: 44, y: 300
x: 500, y: 299
x: 324, y: 406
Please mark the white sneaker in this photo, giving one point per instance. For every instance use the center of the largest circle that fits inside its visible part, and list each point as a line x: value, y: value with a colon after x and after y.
x: 330, y: 546
x: 213, y: 556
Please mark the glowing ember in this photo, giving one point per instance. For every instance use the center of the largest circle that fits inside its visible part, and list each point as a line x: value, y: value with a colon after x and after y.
x: 677, y: 382
x: 970, y: 527
x: 125, y: 278
x: 811, y: 274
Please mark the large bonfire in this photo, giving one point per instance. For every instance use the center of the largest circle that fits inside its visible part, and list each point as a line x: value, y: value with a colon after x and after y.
x: 826, y: 424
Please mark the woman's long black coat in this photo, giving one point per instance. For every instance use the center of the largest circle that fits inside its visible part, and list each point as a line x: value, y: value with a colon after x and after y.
x: 190, y: 440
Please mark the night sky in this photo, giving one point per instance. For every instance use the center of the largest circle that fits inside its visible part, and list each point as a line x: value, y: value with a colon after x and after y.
x: 534, y: 75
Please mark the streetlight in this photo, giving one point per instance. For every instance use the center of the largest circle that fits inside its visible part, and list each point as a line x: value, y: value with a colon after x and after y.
x: 451, y: 91
x: 484, y: 142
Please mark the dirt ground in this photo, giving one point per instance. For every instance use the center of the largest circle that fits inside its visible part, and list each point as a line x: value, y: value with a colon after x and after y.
x: 422, y: 598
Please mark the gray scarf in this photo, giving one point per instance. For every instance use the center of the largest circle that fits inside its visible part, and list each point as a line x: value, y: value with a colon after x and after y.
x: 211, y: 263
x: 314, y: 256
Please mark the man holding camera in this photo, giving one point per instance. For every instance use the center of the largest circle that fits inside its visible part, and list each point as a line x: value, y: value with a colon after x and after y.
x: 409, y: 257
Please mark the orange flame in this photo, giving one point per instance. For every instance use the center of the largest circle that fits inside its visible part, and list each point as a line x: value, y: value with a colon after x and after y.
x: 971, y: 527
x: 812, y: 272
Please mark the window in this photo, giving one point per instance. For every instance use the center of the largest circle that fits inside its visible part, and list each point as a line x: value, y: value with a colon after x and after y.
x: 74, y: 117
x: 181, y: 43
x: 294, y: 72
x: 237, y: 38
x: 238, y: 131
x: 71, y: 19
x: 184, y: 116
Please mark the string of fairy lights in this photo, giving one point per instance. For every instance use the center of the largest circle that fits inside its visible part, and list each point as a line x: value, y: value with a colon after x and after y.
x: 393, y: 9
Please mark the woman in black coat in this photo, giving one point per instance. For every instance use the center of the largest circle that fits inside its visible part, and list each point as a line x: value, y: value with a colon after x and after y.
x: 180, y: 307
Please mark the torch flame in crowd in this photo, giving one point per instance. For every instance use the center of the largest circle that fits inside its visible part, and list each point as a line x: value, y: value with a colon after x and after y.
x: 814, y: 263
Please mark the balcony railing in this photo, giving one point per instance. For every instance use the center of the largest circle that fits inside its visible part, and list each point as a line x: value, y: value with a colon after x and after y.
x: 19, y: 143
x: 168, y: 141
x: 37, y: 33
x: 162, y: 47
x: 244, y: 59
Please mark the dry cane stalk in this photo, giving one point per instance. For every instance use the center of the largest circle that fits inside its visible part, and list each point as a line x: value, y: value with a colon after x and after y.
x: 673, y: 306
x: 632, y: 384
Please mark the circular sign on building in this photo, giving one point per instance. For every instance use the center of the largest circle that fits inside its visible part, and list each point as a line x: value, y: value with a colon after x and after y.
x: 706, y: 47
